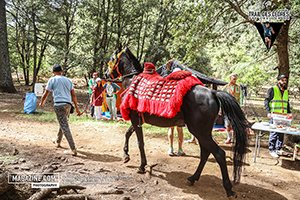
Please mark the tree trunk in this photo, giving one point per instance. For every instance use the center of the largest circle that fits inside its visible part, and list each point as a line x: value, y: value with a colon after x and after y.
x: 68, y: 18
x: 144, y: 38
x: 97, y: 41
x: 106, y: 39
x: 139, y: 35
x: 283, y: 64
x: 282, y: 49
x: 119, y: 28
x: 21, y: 51
x: 35, y: 43
x: 67, y: 41
x: 27, y: 52
x: 6, y: 83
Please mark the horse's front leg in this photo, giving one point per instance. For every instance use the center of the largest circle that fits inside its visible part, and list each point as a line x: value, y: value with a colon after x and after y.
x: 140, y: 138
x: 126, y: 148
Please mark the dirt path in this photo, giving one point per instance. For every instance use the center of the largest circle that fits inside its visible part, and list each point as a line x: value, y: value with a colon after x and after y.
x: 100, y: 168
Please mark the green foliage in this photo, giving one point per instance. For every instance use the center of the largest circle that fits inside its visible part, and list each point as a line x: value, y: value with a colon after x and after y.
x: 294, y: 50
x: 209, y: 36
x: 40, y: 116
x: 243, y: 53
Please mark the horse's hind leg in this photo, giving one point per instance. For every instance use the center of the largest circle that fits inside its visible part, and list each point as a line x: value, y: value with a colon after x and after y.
x: 126, y: 148
x: 203, y: 159
x: 140, y: 138
x: 210, y: 145
x: 219, y: 155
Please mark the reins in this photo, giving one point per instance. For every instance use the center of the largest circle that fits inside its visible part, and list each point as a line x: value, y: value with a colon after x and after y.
x: 128, y: 75
x: 117, y: 80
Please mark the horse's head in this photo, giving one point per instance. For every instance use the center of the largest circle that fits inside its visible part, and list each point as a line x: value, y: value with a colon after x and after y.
x: 122, y: 63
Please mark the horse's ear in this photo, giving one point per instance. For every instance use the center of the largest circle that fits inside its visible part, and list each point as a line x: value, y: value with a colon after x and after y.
x: 120, y: 47
x: 126, y: 49
x: 126, y: 43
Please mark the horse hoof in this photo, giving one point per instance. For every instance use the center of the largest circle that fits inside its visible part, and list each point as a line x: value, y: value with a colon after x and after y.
x: 190, y: 182
x: 126, y: 158
x: 277, y: 161
x: 232, y: 195
x: 141, y: 171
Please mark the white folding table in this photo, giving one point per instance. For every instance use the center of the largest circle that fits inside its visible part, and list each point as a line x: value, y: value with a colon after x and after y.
x: 261, y: 129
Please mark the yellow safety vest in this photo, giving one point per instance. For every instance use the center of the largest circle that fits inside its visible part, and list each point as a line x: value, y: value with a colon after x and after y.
x: 279, y: 103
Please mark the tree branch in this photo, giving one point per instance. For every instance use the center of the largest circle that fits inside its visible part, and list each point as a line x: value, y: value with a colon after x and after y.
x: 238, y: 9
x: 216, y: 19
x: 236, y: 25
x: 263, y: 59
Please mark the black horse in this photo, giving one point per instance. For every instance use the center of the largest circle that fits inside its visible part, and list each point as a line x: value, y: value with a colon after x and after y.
x: 199, y: 110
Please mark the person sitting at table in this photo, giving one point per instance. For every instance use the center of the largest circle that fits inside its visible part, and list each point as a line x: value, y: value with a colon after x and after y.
x: 277, y: 101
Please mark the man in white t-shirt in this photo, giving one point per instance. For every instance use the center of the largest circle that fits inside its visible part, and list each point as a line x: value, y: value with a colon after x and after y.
x: 63, y: 94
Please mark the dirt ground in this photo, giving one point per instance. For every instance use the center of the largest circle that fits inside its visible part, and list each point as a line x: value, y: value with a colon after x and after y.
x: 26, y: 147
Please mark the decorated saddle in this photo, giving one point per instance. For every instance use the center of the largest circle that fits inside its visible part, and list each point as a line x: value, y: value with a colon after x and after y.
x: 154, y: 94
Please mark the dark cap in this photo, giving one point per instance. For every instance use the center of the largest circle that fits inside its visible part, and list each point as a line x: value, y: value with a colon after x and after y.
x: 57, y: 68
x: 282, y: 76
x: 95, y: 74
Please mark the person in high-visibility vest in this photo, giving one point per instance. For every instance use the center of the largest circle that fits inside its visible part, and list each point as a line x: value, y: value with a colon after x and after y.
x: 277, y: 101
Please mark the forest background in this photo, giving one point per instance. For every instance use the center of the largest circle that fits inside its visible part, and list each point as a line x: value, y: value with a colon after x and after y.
x: 214, y: 37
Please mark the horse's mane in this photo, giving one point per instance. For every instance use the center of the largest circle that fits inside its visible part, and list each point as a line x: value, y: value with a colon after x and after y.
x: 134, y: 60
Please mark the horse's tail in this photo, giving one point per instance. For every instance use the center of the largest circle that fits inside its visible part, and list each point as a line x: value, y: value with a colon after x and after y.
x: 239, y: 124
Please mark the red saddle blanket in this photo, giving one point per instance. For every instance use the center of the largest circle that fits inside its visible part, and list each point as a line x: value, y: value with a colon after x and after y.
x: 157, y: 95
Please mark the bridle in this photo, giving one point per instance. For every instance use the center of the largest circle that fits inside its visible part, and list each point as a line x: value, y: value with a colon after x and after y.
x: 116, y: 68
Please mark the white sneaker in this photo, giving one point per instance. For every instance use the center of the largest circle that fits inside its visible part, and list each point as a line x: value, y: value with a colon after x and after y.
x: 71, y: 152
x: 57, y: 145
x: 280, y: 152
x: 274, y: 154
x: 170, y: 152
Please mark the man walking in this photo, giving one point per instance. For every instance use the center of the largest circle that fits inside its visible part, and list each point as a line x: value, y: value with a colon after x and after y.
x: 277, y: 101
x: 63, y: 94
x: 234, y: 89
